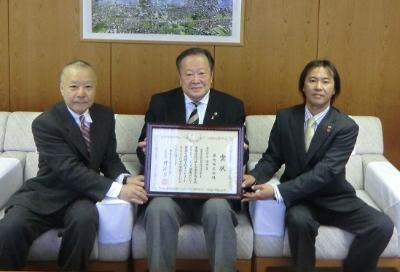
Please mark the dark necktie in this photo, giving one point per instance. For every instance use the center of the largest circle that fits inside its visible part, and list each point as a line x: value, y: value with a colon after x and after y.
x: 85, y: 130
x: 194, y: 116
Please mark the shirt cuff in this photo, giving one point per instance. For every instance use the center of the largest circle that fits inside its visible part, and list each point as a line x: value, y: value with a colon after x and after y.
x: 115, y: 189
x: 277, y: 194
x: 120, y: 178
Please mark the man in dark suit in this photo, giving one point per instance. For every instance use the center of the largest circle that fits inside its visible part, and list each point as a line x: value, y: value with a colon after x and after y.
x: 315, y: 141
x: 195, y: 103
x: 76, y: 141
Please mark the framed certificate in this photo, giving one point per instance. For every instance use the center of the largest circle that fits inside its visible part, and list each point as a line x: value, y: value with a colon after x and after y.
x: 187, y: 161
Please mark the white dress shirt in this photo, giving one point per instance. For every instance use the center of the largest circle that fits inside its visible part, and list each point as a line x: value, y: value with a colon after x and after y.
x: 201, y: 107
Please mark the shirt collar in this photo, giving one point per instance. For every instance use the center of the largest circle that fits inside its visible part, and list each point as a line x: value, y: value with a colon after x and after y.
x: 318, y: 117
x: 88, y: 118
x: 204, y: 100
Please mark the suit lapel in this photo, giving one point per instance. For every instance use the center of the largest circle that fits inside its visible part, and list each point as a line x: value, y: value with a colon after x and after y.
x: 296, y: 127
x: 321, y: 134
x: 72, y: 130
x: 212, y: 115
x: 96, y: 135
x: 178, y: 108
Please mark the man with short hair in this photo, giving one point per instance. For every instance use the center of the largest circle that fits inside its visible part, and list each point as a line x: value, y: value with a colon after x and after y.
x: 196, y: 103
x: 314, y: 141
x: 76, y: 141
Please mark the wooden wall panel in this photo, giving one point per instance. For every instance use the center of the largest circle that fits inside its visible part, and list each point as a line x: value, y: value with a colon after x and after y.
x: 363, y: 39
x: 140, y: 70
x: 45, y: 35
x: 280, y: 38
x: 4, y: 71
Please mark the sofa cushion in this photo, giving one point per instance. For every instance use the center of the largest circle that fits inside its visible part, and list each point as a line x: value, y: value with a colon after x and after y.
x: 3, y: 120
x: 19, y: 135
x: 127, y: 130
x: 354, y: 172
x: 331, y: 242
x: 258, y: 128
x: 10, y: 178
x: 46, y: 247
x: 191, y: 241
x: 370, y: 137
x: 131, y: 163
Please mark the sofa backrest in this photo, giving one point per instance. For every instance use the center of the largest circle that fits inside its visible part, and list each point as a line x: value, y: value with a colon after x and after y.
x: 127, y: 130
x: 3, y: 121
x: 19, y: 142
x: 369, y: 141
x: 18, y: 135
x: 370, y: 136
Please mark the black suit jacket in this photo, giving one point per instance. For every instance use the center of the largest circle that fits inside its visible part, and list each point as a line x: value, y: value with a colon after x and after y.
x: 169, y: 107
x: 317, y: 176
x: 66, y: 170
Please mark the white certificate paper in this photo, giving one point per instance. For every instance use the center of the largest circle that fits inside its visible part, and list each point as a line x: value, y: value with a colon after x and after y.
x: 195, y: 161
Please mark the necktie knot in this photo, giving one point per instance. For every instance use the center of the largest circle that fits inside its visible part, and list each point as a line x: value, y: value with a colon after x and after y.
x: 309, y: 133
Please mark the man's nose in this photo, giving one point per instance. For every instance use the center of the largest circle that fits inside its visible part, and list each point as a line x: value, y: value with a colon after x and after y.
x: 319, y: 85
x: 81, y: 91
x: 195, y: 78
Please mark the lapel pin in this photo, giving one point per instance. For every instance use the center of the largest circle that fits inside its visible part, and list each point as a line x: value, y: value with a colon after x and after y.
x: 215, y: 114
x: 329, y: 129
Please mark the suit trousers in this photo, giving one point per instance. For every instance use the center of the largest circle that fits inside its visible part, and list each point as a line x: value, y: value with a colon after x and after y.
x: 20, y: 227
x: 372, y: 230
x: 163, y: 217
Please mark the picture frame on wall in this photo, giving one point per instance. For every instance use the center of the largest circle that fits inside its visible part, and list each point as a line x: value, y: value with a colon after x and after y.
x: 167, y: 21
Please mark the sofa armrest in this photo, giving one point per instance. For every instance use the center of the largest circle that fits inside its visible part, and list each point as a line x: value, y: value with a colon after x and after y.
x: 115, y: 220
x: 10, y: 178
x: 382, y: 183
x: 268, y: 216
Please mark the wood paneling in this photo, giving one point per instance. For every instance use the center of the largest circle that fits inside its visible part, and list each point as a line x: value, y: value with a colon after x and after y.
x: 4, y: 71
x: 280, y: 38
x: 45, y: 35
x: 363, y: 39
x: 140, y: 70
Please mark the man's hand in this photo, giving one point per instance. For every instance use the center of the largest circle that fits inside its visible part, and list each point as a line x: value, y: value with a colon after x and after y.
x: 142, y: 145
x: 133, y: 190
x: 248, y: 181
x: 257, y: 192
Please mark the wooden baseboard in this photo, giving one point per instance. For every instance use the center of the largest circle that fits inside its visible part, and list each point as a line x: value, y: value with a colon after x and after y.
x: 262, y: 264
x: 140, y: 265
x: 94, y: 266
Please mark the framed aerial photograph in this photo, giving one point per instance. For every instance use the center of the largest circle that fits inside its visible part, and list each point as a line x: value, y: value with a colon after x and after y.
x: 173, y: 21
x: 186, y: 161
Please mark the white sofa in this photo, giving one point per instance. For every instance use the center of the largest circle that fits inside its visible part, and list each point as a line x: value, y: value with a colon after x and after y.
x: 16, y: 141
x: 377, y: 184
x: 376, y: 181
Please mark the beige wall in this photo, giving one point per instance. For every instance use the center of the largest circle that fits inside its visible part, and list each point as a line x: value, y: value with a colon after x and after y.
x: 361, y: 37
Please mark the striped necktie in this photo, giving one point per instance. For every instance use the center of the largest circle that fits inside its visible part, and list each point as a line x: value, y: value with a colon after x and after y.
x: 194, y: 116
x: 309, y: 133
x: 85, y: 130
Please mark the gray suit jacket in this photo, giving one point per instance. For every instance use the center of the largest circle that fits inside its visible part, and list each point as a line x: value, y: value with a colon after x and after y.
x: 316, y: 176
x: 66, y: 170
